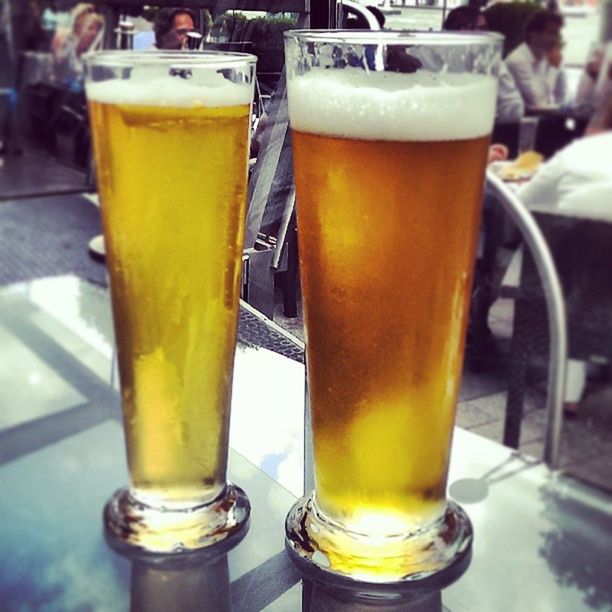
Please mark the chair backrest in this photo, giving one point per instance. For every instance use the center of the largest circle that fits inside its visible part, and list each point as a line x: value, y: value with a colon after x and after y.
x: 582, y: 251
x: 555, y: 307
x: 271, y: 195
x: 271, y: 198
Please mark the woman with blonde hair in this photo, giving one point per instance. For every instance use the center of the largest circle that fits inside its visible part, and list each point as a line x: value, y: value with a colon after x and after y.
x: 85, y: 34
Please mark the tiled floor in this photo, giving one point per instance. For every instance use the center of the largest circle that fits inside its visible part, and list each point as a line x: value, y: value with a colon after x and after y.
x: 33, y: 173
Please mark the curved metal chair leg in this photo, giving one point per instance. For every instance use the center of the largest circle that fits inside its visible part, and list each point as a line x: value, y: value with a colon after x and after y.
x: 555, y: 307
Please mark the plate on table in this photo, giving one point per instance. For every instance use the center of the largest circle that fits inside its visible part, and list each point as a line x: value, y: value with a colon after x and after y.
x: 520, y: 169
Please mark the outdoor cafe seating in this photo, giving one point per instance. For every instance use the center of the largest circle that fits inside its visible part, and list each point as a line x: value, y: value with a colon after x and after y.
x: 542, y: 530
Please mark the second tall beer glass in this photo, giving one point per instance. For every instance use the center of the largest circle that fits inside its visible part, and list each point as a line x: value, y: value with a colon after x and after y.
x: 390, y: 139
x: 170, y: 134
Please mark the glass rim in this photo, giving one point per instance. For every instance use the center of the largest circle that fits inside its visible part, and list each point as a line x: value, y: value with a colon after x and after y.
x: 403, y: 37
x: 124, y: 58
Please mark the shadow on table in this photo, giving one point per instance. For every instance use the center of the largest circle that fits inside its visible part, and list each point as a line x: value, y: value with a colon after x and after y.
x: 318, y: 599
x: 475, y: 490
x: 579, y: 519
x: 197, y: 586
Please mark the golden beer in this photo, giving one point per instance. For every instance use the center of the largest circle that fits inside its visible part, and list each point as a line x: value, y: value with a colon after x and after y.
x: 174, y: 257
x: 170, y: 136
x: 387, y: 250
x: 389, y: 173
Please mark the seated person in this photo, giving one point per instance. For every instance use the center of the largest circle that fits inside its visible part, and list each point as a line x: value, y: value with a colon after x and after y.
x: 536, y: 63
x: 577, y: 179
x: 510, y: 105
x: 172, y: 26
x: 67, y: 47
x: 565, y: 181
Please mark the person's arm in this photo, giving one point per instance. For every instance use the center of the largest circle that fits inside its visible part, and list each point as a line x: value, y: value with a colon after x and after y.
x: 58, y: 45
x: 527, y: 82
x: 510, y: 106
x: 603, y: 85
x: 543, y: 189
x: 560, y: 87
x: 586, y: 85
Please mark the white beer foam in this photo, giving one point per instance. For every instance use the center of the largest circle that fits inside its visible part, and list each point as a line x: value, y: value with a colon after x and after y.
x: 149, y: 88
x: 424, y: 105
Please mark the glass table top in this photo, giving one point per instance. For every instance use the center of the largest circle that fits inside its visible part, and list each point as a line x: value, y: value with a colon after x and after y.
x: 542, y: 541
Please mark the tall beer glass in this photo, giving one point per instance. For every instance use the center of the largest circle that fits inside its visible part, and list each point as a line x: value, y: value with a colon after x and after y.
x: 390, y: 138
x: 170, y: 135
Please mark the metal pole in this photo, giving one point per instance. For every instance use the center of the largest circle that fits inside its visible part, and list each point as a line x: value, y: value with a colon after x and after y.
x: 124, y: 33
x: 555, y: 307
x: 444, y: 9
x: 322, y: 14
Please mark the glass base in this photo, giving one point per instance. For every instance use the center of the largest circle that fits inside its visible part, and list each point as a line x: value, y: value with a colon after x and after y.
x: 132, y: 525
x: 378, y: 566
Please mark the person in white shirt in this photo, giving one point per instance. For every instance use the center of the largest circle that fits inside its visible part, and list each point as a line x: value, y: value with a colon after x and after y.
x: 578, y: 179
x: 565, y: 181
x: 510, y: 105
x: 536, y: 63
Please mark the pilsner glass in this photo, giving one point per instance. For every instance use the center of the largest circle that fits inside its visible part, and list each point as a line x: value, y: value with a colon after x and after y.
x: 170, y: 137
x: 390, y: 138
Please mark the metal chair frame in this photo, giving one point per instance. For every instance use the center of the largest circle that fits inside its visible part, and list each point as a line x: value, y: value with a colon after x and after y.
x: 555, y: 307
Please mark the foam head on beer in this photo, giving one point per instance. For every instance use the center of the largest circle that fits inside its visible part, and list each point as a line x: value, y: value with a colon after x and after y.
x: 147, y: 87
x: 425, y: 105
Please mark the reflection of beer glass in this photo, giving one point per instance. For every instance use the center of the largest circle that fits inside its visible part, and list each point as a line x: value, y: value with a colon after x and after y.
x: 170, y: 134
x: 316, y: 598
x: 389, y: 168
x: 193, y: 586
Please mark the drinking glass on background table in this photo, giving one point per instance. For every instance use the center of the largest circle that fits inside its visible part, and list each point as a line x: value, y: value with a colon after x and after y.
x: 390, y: 138
x: 171, y: 137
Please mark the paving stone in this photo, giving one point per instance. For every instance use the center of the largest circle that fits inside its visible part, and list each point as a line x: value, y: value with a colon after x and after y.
x: 533, y: 426
x: 493, y: 430
x: 469, y: 415
x: 479, y: 385
x: 533, y: 449
x: 483, y: 409
x: 502, y: 309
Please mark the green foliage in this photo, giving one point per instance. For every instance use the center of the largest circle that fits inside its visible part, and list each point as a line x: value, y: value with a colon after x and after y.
x: 232, y: 25
x: 509, y: 18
